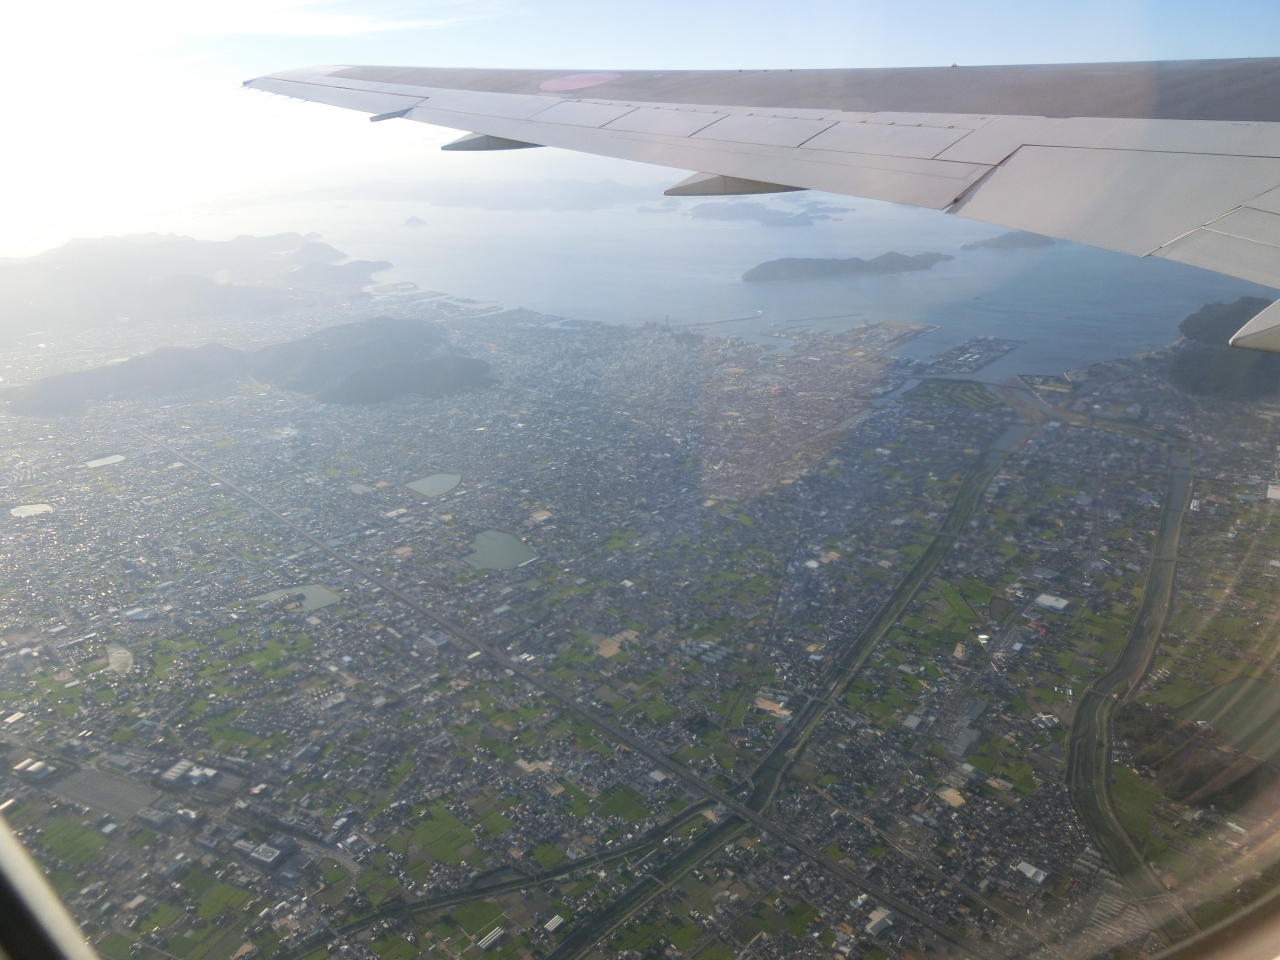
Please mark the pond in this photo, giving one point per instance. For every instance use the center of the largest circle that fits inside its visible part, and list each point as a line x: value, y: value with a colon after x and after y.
x: 495, y: 550
x: 30, y: 510
x: 436, y: 485
x: 314, y: 596
x: 105, y: 461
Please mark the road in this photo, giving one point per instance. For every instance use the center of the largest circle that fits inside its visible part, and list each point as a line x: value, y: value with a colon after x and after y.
x: 1089, y: 743
x: 993, y: 903
x: 720, y: 927
x: 482, y: 888
x: 771, y: 770
x: 767, y: 775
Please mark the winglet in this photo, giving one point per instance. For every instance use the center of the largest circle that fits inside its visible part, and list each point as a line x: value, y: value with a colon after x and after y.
x: 1262, y: 332
x: 716, y: 185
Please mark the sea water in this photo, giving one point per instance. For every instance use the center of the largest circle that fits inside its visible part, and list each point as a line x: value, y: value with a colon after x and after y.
x: 663, y: 261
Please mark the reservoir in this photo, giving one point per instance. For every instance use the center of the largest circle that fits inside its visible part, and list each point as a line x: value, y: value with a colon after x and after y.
x: 436, y: 485
x: 495, y: 550
x: 314, y: 596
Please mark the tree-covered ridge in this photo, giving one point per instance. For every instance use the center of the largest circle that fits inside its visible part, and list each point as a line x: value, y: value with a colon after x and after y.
x: 1216, y: 369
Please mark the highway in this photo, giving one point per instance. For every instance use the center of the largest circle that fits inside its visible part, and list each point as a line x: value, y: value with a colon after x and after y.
x: 768, y: 773
x: 1089, y: 743
x: 481, y: 887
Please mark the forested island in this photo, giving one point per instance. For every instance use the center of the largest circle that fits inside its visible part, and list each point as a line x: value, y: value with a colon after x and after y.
x: 1018, y: 240
x: 794, y: 268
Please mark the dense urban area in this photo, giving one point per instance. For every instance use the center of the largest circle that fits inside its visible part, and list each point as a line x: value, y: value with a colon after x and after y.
x: 654, y: 644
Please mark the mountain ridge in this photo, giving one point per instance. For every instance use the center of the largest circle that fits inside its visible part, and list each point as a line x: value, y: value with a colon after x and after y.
x: 368, y: 361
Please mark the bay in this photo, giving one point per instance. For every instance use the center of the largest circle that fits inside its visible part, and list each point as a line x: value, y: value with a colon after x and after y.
x: 667, y: 261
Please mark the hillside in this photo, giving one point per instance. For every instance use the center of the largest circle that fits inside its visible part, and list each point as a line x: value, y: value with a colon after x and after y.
x: 1215, y: 323
x: 364, y: 362
x: 320, y: 359
x: 1218, y: 370
x: 167, y: 370
x: 436, y: 377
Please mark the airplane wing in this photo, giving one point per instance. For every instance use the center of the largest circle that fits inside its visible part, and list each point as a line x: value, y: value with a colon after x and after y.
x: 1173, y: 159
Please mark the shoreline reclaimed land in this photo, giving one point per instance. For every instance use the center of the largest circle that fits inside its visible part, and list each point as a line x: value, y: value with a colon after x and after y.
x: 790, y: 662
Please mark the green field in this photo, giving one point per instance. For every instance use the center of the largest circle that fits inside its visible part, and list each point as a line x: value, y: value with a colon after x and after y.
x: 1246, y: 712
x: 799, y: 918
x: 71, y: 842
x: 220, y: 898
x: 658, y: 711
x: 955, y: 393
x: 392, y: 947
x: 442, y: 835
x: 115, y: 946
x: 495, y: 823
x: 475, y: 916
x: 576, y: 803
x: 1134, y: 799
x: 163, y: 915
x: 547, y: 856
x: 377, y: 885
x: 623, y: 802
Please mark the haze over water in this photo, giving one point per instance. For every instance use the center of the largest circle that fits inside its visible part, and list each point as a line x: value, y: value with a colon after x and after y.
x: 631, y: 260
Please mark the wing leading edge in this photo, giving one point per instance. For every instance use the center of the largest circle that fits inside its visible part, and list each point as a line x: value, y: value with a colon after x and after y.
x: 1178, y: 160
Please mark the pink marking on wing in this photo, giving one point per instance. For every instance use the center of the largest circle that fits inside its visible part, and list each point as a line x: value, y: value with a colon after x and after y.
x: 577, y: 81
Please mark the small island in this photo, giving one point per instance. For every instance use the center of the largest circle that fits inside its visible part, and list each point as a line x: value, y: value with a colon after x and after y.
x: 795, y: 268
x: 1018, y: 240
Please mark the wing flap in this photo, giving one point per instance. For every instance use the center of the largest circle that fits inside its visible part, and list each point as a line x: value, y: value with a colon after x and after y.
x: 508, y: 105
x: 580, y: 113
x: 767, y: 131
x: 1223, y: 253
x: 888, y: 140
x: 1269, y: 201
x: 667, y: 122
x: 1249, y: 224
x: 993, y: 142
x: 1126, y: 200
x: 1216, y: 137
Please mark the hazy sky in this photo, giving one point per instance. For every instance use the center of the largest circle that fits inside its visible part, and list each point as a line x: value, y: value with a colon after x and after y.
x: 129, y: 115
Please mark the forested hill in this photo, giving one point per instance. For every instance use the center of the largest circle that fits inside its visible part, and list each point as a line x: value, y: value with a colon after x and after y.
x: 1207, y: 366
